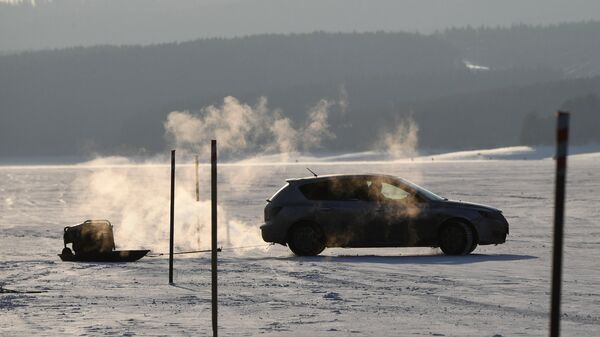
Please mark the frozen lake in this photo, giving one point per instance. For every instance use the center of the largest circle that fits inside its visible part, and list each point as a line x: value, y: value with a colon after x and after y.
x: 499, y: 290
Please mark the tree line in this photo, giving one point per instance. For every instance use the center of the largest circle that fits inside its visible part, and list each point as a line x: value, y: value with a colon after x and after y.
x: 108, y: 99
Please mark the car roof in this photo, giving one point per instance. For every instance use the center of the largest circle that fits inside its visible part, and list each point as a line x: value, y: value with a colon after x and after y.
x: 338, y: 176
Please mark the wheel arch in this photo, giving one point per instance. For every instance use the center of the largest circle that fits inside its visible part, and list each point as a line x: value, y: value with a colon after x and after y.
x: 301, y: 222
x: 458, y: 219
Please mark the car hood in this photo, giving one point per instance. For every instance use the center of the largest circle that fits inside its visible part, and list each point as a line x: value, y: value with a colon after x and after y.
x: 470, y: 205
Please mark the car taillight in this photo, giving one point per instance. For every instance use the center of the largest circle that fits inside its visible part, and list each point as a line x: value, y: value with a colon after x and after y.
x: 271, y: 212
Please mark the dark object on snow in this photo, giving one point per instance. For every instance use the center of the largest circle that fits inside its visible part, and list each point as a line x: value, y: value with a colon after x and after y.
x: 114, y: 256
x: 92, y: 236
x: 93, y: 241
x: 310, y: 214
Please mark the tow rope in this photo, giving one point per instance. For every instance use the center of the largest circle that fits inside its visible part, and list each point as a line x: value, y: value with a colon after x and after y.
x: 219, y: 249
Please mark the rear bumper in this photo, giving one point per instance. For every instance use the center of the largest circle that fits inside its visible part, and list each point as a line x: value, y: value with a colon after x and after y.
x: 272, y: 233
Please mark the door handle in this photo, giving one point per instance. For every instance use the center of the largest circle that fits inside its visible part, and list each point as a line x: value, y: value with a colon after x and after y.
x: 325, y: 209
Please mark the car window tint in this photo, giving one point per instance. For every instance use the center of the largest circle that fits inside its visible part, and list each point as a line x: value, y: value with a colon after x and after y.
x: 352, y: 189
x: 339, y: 189
x: 317, y: 191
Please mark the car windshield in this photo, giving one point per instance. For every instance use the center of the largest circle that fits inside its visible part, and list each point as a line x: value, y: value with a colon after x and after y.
x: 423, y: 191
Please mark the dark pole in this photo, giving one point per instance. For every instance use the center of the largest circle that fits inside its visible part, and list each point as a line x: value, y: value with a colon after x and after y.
x: 197, y: 182
x: 562, y: 137
x: 172, y: 217
x: 197, y: 200
x: 213, y: 190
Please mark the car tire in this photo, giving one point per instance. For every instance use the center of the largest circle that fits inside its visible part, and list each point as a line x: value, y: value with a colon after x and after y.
x: 456, y: 238
x: 473, y: 247
x: 306, y: 239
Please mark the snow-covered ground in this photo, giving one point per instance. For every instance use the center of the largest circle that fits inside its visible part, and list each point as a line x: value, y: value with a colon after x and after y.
x: 499, y: 290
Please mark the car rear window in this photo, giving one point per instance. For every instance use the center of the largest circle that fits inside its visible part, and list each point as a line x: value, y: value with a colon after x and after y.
x: 272, y: 198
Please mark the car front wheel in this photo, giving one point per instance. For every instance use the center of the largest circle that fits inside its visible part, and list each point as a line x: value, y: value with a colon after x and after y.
x: 456, y: 238
x: 306, y: 240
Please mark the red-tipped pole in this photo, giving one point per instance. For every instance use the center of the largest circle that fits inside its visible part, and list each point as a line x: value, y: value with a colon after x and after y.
x: 172, y: 217
x: 213, y: 190
x: 562, y: 138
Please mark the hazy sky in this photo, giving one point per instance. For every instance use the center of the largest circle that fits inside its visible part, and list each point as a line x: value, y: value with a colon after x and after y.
x: 60, y: 23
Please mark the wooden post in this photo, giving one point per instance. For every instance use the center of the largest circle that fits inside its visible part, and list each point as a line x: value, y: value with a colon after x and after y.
x: 172, y: 217
x: 562, y: 137
x: 213, y: 190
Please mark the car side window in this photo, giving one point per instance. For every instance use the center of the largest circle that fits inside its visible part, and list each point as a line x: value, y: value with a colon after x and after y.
x: 317, y: 191
x: 339, y: 190
x: 382, y: 191
x: 393, y: 192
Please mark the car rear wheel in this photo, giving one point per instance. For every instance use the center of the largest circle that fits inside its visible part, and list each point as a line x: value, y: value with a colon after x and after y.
x: 456, y: 238
x: 306, y: 240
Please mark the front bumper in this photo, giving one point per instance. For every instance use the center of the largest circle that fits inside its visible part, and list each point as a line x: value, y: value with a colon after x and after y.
x: 494, y: 231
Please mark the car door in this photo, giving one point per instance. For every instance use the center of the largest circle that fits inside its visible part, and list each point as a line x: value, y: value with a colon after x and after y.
x: 368, y: 225
x: 338, y: 210
x: 396, y: 215
x: 343, y: 222
x: 342, y: 211
x: 358, y: 214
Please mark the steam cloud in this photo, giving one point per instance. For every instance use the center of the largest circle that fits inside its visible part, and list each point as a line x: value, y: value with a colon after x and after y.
x: 401, y: 142
x: 242, y: 129
x: 136, y: 199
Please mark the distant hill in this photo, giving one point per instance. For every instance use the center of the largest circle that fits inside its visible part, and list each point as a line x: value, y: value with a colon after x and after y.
x: 71, y: 100
x: 573, y: 48
x: 497, y: 118
x: 110, y: 99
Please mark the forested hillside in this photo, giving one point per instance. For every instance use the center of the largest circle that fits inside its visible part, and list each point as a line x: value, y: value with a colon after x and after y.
x: 111, y: 99
x: 573, y: 48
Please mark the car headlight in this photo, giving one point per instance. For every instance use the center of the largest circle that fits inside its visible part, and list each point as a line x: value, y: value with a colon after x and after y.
x: 492, y: 215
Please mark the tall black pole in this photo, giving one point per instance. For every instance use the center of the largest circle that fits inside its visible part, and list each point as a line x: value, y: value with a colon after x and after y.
x: 213, y: 190
x: 198, y: 233
x: 562, y: 138
x: 172, y: 217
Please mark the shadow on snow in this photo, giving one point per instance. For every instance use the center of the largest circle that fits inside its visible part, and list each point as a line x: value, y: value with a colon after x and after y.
x: 407, y: 259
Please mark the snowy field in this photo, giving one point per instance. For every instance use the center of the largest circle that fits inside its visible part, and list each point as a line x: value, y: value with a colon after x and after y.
x: 498, y: 291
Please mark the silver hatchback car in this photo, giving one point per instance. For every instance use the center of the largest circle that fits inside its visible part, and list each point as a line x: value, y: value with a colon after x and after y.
x: 310, y: 214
